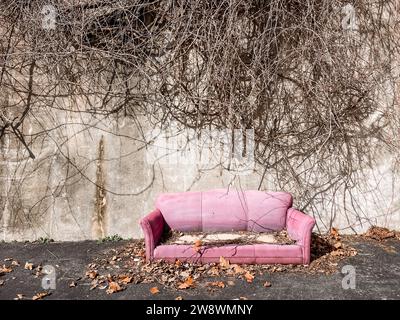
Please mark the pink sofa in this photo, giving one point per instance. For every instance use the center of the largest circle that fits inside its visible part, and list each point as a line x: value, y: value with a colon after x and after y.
x: 228, y: 210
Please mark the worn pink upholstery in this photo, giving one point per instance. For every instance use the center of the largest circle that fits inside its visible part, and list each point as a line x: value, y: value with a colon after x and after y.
x: 152, y: 226
x: 251, y: 254
x: 229, y: 210
x: 299, y: 227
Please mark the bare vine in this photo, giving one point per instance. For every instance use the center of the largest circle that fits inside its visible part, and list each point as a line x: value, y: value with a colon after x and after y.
x: 316, y: 83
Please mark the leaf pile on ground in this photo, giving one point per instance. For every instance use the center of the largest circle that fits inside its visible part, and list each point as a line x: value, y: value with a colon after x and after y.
x: 10, y: 264
x: 127, y: 265
x: 381, y: 234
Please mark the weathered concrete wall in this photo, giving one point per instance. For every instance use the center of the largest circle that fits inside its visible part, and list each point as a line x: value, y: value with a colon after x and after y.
x: 92, y: 177
x: 90, y: 181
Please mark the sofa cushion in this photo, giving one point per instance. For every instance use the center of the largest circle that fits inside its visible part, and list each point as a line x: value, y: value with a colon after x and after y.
x: 267, y: 210
x: 225, y: 210
x: 181, y: 211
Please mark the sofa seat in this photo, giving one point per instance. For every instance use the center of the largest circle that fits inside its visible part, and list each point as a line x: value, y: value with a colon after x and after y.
x: 251, y: 254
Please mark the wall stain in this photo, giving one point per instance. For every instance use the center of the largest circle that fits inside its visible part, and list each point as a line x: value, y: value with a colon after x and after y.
x: 99, y: 216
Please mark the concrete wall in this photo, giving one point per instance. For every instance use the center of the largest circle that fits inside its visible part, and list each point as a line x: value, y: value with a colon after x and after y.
x: 92, y: 177
x: 93, y: 180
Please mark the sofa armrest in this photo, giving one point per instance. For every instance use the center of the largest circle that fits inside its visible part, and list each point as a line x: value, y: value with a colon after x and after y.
x: 299, y: 227
x: 153, y: 227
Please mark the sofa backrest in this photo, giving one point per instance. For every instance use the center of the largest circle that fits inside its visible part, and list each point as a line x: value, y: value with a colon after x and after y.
x: 225, y: 210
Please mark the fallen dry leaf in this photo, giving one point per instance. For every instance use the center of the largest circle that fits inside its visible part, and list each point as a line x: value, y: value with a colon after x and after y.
x: 243, y: 298
x: 179, y: 298
x: 113, y: 287
x: 390, y: 249
x: 141, y: 253
x: 38, y: 269
x: 337, y: 245
x: 338, y: 252
x: 72, y: 284
x: 5, y: 269
x: 335, y: 233
x: 353, y: 252
x: 184, y: 274
x: 223, y: 262
x: 213, y: 271
x: 15, y: 263
x: 197, y: 245
x: 19, y: 296
x: 92, y: 274
x: 178, y: 263
x: 125, y: 279
x: 267, y: 284
x: 238, y: 269
x: 28, y: 266
x: 249, y: 277
x: 1, y: 282
x: 40, y: 295
x: 189, y: 282
x: 8, y: 259
x: 154, y: 290
x: 218, y: 284
x: 230, y: 283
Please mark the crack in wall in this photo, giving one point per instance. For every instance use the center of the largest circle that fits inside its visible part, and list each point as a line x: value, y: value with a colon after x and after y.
x: 99, y: 215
